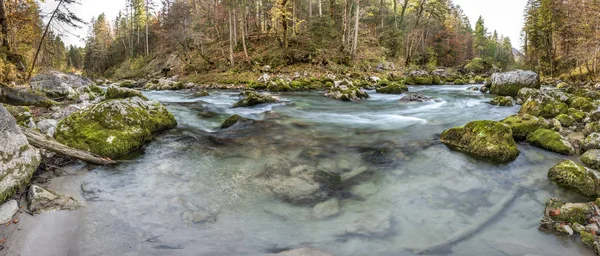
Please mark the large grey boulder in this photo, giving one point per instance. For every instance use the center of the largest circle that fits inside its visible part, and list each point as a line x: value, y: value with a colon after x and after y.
x: 18, y: 159
x: 58, y: 84
x: 509, y: 83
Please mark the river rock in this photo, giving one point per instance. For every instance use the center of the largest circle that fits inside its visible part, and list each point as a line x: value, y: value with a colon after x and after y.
x: 552, y: 141
x: 488, y: 140
x: 326, y: 209
x: 297, y: 190
x: 203, y: 93
x: 8, y: 210
x: 18, y: 159
x: 570, y: 175
x: 566, y: 120
x: 592, y: 141
x: 414, y: 97
x: 591, y: 127
x: 235, y: 120
x: 421, y: 77
x: 379, y: 225
x: 253, y: 98
x: 393, y: 88
x: 47, y: 126
x: 544, y: 106
x: 58, y: 84
x: 472, y: 88
x: 509, y: 83
x: 523, y: 125
x: 42, y: 200
x: 346, y: 91
x: 591, y: 158
x: 302, y: 252
x: 525, y: 93
x: 581, y: 103
x: 114, y: 128
x: 114, y: 92
x: 502, y: 101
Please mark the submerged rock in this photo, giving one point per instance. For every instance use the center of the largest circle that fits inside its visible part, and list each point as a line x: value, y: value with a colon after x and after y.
x: 523, y: 125
x: 8, y: 210
x: 200, y: 216
x: 18, y: 159
x: 114, y: 92
x: 502, y: 101
x: 41, y: 200
x: 326, y: 209
x: 592, y: 141
x: 253, y: 99
x: 552, y: 141
x: 233, y: 120
x: 378, y: 225
x: 592, y: 158
x: 58, y: 84
x: 346, y: 91
x: 414, y: 97
x: 488, y: 140
x: 297, y: 190
x: 570, y: 175
x: 509, y: 83
x: 115, y: 127
x: 201, y: 94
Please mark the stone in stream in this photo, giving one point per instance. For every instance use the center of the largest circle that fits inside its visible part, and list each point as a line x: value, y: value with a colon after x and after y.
x: 18, y: 159
x: 201, y: 94
x: 502, y: 101
x: 253, y: 98
x: 566, y: 120
x: 570, y: 175
x: 472, y: 88
x: 414, y: 97
x: 592, y: 141
x: 114, y: 128
x: 526, y: 93
x: 302, y: 252
x: 509, y: 83
x: 326, y: 209
x: 114, y: 92
x: 488, y: 140
x: 523, y: 125
x: 378, y: 225
x: 58, y: 84
x: 544, y: 106
x: 552, y: 141
x: 42, y: 200
x: 391, y: 87
x: 346, y: 91
x: 7, y: 210
x: 591, y: 128
x: 591, y: 158
x: 235, y: 120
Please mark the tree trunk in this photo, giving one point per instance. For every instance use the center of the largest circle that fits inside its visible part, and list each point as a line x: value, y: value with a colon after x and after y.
x: 37, y: 52
x: 345, y: 23
x: 147, y: 20
x: 294, y: 18
x: 320, y: 8
x: 402, y: 13
x: 244, y: 42
x: 310, y: 10
x: 231, y: 42
x: 356, y: 20
x: 4, y: 24
x: 381, y: 10
x: 235, y: 35
x: 284, y: 26
x: 332, y: 9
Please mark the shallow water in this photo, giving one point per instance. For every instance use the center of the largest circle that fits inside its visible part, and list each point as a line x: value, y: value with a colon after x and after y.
x: 415, y: 190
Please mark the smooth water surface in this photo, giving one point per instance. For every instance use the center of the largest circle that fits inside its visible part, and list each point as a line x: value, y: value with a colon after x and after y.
x: 414, y: 194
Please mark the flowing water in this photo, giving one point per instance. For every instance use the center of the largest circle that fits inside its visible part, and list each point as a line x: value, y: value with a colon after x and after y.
x: 412, y: 191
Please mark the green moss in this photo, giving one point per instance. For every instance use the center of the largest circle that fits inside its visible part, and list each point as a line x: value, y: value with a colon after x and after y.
x: 203, y: 93
x: 114, y: 92
x: 523, y: 125
x: 178, y: 86
x: 230, y: 121
x: 581, y: 103
x: 115, y: 127
x: 565, y: 120
x: 393, y: 88
x: 587, y: 238
x: 479, y: 79
x: 576, y: 114
x: 502, y: 101
x: 127, y: 84
x: 544, y: 106
x: 570, y: 175
x: 421, y: 80
x: 253, y: 99
x: 279, y: 86
x: 573, y: 215
x: 488, y: 140
x: 551, y: 140
x: 460, y: 82
x: 592, y: 141
x: 591, y: 158
x: 257, y: 85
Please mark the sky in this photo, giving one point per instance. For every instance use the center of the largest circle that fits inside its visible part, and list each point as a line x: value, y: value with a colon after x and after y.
x: 505, y: 16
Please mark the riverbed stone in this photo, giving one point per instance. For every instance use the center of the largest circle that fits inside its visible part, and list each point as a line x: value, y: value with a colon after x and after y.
x: 525, y: 93
x: 344, y: 90
x: 544, y: 106
x: 376, y: 225
x: 18, y: 159
x: 509, y: 83
x: 116, y: 127
x: 502, y: 101
x: 41, y: 200
x: 523, y: 125
x: 7, y: 210
x: 566, y: 120
x: 253, y: 98
x: 326, y: 209
x: 551, y: 140
x: 573, y: 176
x: 59, y: 84
x: 489, y: 140
x: 578, y: 115
x: 392, y: 88
x: 592, y: 141
x: 414, y: 97
x: 297, y: 190
x: 581, y: 103
x: 591, y: 158
x: 114, y: 92
x: 591, y: 127
x: 203, y: 93
x: 235, y: 119
x: 48, y: 126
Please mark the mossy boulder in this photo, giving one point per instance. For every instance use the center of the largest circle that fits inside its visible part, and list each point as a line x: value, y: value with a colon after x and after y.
x: 233, y: 120
x: 591, y: 128
x: 253, y: 98
x: 591, y: 158
x: 21, y: 114
x: 544, y: 106
x: 502, y: 101
x: 592, y: 141
x: 279, y: 86
x: 526, y: 93
x: 393, y: 88
x: 114, y: 92
x: 577, y: 115
x: 552, y: 141
x: 203, y: 93
x: 114, y: 128
x: 18, y: 159
x: 127, y: 84
x: 566, y: 120
x: 460, y: 82
x: 509, y: 83
x: 523, y: 125
x: 488, y: 140
x: 420, y: 77
x: 581, y: 103
x: 346, y: 91
x: 570, y: 175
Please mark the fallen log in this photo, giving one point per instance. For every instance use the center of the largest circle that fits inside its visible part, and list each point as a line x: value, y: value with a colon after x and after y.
x: 14, y: 97
x: 42, y: 141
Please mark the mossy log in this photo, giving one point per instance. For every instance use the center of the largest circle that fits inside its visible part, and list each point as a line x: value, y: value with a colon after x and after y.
x: 41, y: 141
x: 16, y: 98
